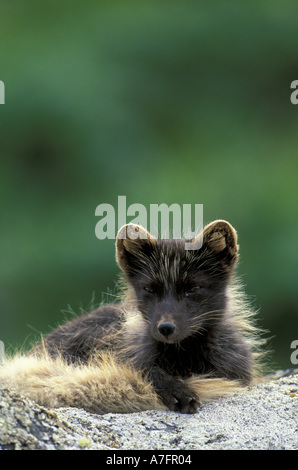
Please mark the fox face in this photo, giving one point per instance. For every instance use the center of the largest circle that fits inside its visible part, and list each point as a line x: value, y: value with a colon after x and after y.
x: 180, y: 293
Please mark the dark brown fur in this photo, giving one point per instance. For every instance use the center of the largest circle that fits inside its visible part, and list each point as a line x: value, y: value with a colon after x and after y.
x: 182, y: 315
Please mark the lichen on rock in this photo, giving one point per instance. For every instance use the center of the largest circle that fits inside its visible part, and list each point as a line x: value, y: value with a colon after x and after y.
x: 264, y: 416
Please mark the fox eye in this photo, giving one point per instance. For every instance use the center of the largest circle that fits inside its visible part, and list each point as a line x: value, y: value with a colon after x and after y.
x: 149, y: 289
x: 192, y: 290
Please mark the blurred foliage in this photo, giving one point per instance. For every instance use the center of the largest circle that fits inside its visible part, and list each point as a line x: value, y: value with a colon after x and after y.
x: 164, y: 102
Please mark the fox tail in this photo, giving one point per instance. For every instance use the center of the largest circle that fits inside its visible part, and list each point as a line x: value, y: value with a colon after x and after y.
x: 102, y: 386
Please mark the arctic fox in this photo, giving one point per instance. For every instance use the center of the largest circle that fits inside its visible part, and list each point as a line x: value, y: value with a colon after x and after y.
x: 183, y: 333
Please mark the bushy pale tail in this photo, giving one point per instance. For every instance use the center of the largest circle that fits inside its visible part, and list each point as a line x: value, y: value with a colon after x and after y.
x: 102, y: 386
x: 98, y: 388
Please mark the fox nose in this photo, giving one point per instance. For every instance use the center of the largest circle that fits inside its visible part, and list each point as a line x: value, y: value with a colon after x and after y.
x: 166, y: 329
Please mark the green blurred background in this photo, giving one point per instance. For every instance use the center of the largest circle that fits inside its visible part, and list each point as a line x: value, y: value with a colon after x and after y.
x: 163, y: 102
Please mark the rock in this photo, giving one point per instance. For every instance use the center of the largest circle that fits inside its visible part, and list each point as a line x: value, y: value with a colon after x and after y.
x: 26, y: 425
x: 260, y: 417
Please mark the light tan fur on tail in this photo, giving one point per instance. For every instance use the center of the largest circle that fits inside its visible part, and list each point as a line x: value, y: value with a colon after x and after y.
x: 108, y: 387
x: 103, y: 386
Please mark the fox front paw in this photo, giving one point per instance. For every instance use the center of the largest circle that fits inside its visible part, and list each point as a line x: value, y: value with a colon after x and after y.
x: 180, y: 398
x: 174, y: 393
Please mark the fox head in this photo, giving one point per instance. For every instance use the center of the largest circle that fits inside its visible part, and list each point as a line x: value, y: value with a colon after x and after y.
x: 179, y: 292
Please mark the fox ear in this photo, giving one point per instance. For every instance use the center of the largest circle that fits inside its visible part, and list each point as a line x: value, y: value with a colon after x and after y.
x: 133, y: 245
x: 220, y: 242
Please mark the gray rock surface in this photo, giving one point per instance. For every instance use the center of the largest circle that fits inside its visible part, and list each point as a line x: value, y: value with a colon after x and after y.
x: 259, y: 417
